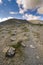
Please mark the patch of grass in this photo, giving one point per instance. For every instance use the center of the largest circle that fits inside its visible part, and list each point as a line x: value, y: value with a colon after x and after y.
x: 36, y: 34
x: 0, y: 30
x: 18, y: 44
x: 41, y: 24
x: 9, y: 32
x: 26, y: 29
x: 37, y: 24
x: 19, y: 49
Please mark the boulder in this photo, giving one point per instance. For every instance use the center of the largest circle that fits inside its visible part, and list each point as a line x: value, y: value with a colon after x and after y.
x: 10, y: 52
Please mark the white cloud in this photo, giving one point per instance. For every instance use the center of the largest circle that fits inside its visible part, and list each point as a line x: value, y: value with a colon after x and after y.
x: 40, y: 10
x: 0, y: 1
x: 29, y: 4
x: 12, y: 12
x: 21, y: 11
x: 4, y: 19
x: 31, y: 17
x: 19, y: 2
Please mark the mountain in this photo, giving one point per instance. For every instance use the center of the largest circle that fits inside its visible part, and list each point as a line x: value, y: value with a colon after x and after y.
x: 14, y: 21
x: 36, y: 21
x: 24, y: 36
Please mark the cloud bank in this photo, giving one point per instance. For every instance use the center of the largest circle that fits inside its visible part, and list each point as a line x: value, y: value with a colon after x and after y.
x: 40, y: 10
x: 31, y: 17
x: 30, y: 4
x: 11, y: 12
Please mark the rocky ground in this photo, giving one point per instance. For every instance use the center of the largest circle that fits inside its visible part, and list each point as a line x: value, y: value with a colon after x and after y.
x: 31, y: 50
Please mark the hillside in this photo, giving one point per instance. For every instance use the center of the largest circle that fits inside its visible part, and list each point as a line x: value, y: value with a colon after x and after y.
x: 36, y: 21
x: 30, y: 50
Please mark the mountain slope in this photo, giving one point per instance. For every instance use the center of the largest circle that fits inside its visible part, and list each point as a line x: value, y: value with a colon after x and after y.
x: 30, y: 50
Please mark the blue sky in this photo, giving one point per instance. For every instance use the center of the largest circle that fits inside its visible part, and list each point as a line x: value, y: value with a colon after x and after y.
x: 21, y: 9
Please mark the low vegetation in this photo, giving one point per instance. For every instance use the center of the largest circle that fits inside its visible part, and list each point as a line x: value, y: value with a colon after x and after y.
x: 17, y: 45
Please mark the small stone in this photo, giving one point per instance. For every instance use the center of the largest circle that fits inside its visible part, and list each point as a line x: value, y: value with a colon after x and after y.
x: 23, y: 44
x: 13, y: 34
x: 32, y: 46
x: 10, y: 52
x: 40, y: 64
x: 13, y: 38
x: 37, y: 57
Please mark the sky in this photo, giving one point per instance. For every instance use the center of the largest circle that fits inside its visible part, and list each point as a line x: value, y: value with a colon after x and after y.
x: 21, y: 9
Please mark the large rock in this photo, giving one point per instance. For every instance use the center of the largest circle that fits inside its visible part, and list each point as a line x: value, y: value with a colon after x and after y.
x: 10, y: 52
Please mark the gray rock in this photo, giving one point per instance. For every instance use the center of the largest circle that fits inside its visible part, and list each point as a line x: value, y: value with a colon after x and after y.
x: 10, y: 52
x: 23, y: 44
x: 13, y: 38
x: 13, y: 34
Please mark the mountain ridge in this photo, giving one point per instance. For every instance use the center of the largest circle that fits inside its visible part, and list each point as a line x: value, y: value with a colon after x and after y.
x: 12, y: 21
